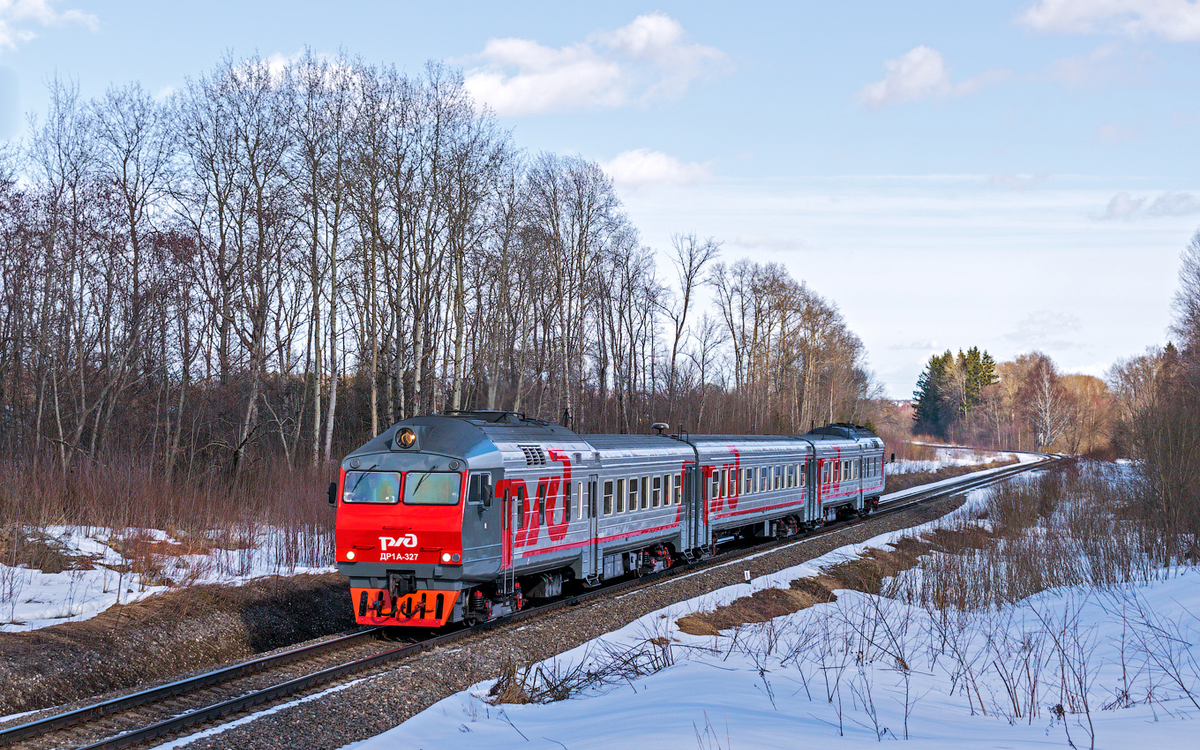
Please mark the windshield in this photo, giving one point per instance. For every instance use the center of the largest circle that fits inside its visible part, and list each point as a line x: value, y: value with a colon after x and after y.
x: 432, y: 488
x: 371, y: 487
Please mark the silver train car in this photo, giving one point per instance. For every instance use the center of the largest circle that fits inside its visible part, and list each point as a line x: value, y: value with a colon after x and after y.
x: 462, y: 517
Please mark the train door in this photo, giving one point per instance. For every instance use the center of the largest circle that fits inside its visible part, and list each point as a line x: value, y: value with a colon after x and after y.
x: 695, y: 515
x: 506, y: 537
x: 812, y: 509
x: 591, y: 554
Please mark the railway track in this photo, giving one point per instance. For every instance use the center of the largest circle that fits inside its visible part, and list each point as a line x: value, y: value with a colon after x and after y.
x: 167, y: 710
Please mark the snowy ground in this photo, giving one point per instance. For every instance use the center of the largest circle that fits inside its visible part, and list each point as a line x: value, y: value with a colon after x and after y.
x: 832, y: 675
x: 947, y: 456
x: 31, y: 599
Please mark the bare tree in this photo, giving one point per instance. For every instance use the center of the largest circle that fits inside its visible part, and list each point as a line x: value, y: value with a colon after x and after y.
x: 690, y: 258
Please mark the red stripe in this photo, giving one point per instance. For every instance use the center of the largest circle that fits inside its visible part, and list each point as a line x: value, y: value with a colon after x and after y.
x: 759, y: 510
x: 584, y: 543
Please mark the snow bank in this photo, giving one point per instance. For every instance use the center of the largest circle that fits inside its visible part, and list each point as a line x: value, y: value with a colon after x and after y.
x: 864, y: 669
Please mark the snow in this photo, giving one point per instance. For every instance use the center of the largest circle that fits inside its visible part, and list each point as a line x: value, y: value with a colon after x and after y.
x: 32, y: 599
x: 949, y: 456
x: 766, y: 687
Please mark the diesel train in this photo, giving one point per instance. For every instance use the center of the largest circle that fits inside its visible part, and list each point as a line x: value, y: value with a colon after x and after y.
x: 461, y: 517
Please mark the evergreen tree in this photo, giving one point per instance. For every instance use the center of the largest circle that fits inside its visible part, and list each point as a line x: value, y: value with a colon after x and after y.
x: 929, y: 400
x: 950, y: 388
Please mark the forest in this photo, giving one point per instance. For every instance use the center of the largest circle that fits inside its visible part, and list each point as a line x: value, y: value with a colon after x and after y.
x: 232, y: 285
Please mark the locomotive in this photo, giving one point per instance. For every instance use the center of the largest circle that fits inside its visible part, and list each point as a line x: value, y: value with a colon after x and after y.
x: 464, y: 516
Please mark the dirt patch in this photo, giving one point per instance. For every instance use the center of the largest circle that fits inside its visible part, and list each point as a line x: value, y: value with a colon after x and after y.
x: 865, y: 573
x: 167, y: 635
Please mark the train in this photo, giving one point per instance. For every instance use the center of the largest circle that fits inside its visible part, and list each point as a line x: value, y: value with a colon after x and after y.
x: 462, y: 517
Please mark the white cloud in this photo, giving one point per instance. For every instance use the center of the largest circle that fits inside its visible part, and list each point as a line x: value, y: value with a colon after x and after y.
x: 1122, y: 206
x: 650, y: 58
x: 1174, y: 203
x: 1175, y: 20
x: 639, y: 167
x: 919, y: 74
x: 16, y: 16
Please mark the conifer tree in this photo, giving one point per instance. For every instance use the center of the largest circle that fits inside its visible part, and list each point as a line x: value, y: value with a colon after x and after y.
x: 929, y: 412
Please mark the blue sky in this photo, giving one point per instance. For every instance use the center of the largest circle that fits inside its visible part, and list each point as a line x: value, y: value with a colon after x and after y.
x: 1014, y: 175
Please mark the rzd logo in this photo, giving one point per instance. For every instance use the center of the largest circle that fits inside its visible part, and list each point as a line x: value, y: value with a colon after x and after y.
x: 408, y: 540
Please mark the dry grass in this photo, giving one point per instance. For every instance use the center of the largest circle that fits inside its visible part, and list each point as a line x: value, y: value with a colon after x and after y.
x: 166, y: 636
x: 866, y: 573
x: 557, y: 680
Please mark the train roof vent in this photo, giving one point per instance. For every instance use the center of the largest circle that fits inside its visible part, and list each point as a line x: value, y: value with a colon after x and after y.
x: 534, y: 455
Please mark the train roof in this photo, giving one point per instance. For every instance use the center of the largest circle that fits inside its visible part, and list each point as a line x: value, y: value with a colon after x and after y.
x: 477, y: 432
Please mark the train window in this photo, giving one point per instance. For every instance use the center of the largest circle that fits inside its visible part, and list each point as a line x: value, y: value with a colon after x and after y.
x: 382, y: 487
x: 620, y: 495
x: 791, y: 475
x: 747, y: 481
x: 825, y: 473
x: 432, y: 488
x: 520, y: 506
x: 715, y: 481
x: 633, y: 495
x: 803, y: 475
x: 645, y: 493
x: 479, y: 488
x: 778, y: 477
x: 608, y: 497
x: 541, y: 503
x: 582, y: 501
x: 733, y: 483
x: 566, y: 497
x: 656, y: 492
x: 762, y: 478
x: 679, y: 490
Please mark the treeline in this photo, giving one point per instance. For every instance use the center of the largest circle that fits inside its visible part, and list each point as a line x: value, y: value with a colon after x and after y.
x: 1159, y: 417
x: 276, y: 262
x: 1024, y: 404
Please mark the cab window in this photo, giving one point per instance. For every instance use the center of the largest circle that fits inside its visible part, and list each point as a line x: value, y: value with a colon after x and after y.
x: 432, y: 488
x: 479, y: 488
x: 380, y: 487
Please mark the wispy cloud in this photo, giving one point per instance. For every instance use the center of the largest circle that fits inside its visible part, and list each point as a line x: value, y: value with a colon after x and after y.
x: 767, y: 242
x: 924, y: 345
x: 18, y: 18
x: 1111, y: 132
x: 1016, y: 181
x: 649, y: 59
x: 642, y: 166
x: 1171, y: 203
x: 1174, y: 20
x: 921, y: 73
x: 1046, y: 329
x: 1174, y: 203
x: 1108, y: 65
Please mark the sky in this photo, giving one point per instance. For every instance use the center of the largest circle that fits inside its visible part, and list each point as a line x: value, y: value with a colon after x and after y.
x: 1015, y: 175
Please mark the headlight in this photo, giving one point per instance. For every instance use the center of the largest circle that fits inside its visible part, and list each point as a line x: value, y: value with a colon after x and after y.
x: 406, y: 437
x: 445, y: 557
x: 350, y: 555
